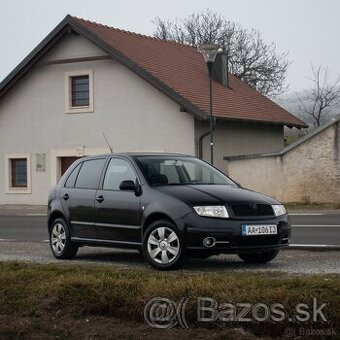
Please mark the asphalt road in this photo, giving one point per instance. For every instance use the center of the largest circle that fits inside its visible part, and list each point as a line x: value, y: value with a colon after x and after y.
x: 306, y: 229
x: 23, y: 238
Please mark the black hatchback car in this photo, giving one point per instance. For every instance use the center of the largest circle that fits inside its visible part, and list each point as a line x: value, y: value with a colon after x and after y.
x: 166, y: 205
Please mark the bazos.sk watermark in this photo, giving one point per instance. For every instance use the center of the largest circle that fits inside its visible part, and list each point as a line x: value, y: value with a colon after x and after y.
x: 162, y: 312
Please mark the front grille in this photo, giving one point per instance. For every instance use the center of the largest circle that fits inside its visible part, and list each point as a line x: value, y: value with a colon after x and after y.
x: 257, y: 240
x: 252, y: 209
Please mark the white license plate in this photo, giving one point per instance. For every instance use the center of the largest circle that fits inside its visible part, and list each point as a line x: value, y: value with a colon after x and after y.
x: 257, y: 229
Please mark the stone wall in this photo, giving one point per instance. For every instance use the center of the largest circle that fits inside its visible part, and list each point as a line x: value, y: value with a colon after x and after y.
x: 307, y: 171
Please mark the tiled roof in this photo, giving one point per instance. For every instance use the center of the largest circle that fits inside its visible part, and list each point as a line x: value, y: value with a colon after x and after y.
x: 182, y: 68
x: 176, y: 69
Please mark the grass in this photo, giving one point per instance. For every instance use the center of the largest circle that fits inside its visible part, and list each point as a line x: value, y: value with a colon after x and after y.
x: 310, y: 206
x: 31, y: 290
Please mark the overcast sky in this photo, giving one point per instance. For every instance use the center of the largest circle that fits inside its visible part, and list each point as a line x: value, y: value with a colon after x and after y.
x: 307, y: 29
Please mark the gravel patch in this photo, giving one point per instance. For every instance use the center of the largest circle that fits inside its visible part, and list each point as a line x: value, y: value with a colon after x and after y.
x: 290, y: 261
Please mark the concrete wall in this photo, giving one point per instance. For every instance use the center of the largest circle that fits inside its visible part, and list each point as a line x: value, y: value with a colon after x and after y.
x: 306, y: 172
x: 134, y: 116
x: 234, y: 139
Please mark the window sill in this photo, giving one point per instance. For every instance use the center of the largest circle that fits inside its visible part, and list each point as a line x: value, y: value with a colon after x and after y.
x: 18, y: 191
x: 79, y: 109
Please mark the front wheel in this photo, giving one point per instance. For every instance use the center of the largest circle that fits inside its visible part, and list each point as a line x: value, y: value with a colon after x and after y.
x: 60, y: 240
x: 162, y: 246
x: 259, y: 257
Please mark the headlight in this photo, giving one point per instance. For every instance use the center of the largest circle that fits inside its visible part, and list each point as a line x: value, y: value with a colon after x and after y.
x: 219, y: 211
x: 279, y: 209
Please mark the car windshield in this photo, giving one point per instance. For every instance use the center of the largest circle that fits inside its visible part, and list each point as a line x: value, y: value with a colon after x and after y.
x: 180, y: 171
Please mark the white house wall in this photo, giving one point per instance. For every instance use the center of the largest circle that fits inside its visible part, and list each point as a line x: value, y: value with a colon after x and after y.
x: 73, y: 46
x: 133, y: 114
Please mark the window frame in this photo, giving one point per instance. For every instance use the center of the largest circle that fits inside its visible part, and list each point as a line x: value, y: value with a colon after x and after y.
x: 9, y: 189
x: 68, y: 92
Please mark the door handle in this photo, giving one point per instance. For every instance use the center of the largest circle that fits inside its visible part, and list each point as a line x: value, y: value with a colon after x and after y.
x: 100, y: 199
x: 66, y: 197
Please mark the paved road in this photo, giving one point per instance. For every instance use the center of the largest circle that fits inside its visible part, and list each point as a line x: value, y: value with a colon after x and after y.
x: 318, y: 229
x: 307, y: 229
x: 22, y: 238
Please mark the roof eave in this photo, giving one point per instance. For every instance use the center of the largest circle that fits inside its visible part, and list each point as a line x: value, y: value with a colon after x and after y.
x: 261, y: 121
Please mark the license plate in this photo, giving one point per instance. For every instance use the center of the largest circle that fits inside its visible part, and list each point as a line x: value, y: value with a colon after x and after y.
x: 268, y: 229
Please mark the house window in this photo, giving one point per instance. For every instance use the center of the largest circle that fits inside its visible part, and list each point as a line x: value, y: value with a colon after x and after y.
x: 18, y: 173
x: 79, y: 91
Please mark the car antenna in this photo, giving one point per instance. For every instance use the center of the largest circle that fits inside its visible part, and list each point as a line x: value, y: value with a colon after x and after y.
x: 108, y: 144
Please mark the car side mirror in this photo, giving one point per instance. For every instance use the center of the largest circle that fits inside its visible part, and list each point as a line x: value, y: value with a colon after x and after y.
x: 128, y: 186
x: 131, y: 186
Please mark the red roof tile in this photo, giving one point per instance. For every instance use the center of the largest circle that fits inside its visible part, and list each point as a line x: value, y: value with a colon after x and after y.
x: 182, y: 68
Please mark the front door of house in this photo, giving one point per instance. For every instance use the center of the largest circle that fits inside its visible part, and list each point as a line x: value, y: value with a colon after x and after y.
x: 65, y: 163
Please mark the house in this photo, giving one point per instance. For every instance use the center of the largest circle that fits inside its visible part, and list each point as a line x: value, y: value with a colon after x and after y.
x: 85, y: 79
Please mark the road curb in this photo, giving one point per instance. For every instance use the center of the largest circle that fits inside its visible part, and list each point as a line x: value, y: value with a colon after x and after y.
x: 312, y: 247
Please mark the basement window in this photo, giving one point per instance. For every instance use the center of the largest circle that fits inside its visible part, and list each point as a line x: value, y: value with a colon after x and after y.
x: 79, y: 91
x: 18, y: 174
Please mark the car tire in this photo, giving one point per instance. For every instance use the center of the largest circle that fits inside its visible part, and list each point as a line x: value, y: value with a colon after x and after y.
x: 259, y: 257
x: 163, y: 246
x: 60, y: 240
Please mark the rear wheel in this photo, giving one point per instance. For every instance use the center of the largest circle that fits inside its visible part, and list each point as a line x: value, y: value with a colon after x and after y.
x: 162, y: 246
x: 60, y: 240
x: 259, y: 257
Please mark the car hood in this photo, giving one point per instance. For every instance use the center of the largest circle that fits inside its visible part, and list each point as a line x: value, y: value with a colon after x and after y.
x: 214, y: 194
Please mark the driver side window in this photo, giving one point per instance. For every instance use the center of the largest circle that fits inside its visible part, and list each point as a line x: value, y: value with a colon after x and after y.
x: 118, y: 171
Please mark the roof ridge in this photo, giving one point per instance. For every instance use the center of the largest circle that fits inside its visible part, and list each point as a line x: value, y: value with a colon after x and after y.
x: 136, y: 34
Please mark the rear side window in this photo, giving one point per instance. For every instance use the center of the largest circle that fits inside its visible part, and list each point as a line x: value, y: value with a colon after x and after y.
x: 89, y: 174
x: 71, y: 180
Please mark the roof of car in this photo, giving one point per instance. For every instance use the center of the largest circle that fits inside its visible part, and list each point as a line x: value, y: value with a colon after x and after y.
x: 139, y: 154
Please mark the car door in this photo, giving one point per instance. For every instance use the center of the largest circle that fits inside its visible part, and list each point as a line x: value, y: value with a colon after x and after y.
x: 78, y: 196
x: 118, y: 212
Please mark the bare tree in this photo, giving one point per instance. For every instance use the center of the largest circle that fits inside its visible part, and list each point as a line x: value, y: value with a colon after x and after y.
x: 249, y: 57
x: 322, y: 97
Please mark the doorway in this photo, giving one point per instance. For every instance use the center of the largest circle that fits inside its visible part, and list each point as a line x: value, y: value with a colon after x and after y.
x: 65, y: 163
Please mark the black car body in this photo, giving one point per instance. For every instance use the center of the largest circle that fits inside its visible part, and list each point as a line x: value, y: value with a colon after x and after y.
x: 151, y: 202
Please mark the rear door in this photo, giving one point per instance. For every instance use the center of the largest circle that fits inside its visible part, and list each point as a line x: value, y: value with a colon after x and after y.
x: 78, y: 197
x: 118, y: 211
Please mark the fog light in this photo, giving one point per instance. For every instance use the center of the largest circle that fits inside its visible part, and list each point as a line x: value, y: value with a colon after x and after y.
x: 209, y: 242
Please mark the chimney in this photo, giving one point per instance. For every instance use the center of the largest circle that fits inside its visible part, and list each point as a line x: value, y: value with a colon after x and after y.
x: 220, y: 69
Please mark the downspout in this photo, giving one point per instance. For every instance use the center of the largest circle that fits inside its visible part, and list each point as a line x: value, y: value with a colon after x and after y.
x: 200, y: 140
x: 200, y: 144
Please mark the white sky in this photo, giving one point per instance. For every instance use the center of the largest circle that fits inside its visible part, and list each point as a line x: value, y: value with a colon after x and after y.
x: 307, y: 29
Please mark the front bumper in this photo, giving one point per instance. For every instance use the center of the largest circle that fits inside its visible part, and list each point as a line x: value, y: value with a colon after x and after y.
x: 228, y: 234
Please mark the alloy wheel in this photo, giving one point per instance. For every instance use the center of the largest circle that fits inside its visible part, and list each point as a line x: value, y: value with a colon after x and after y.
x: 58, y: 238
x: 163, y: 245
